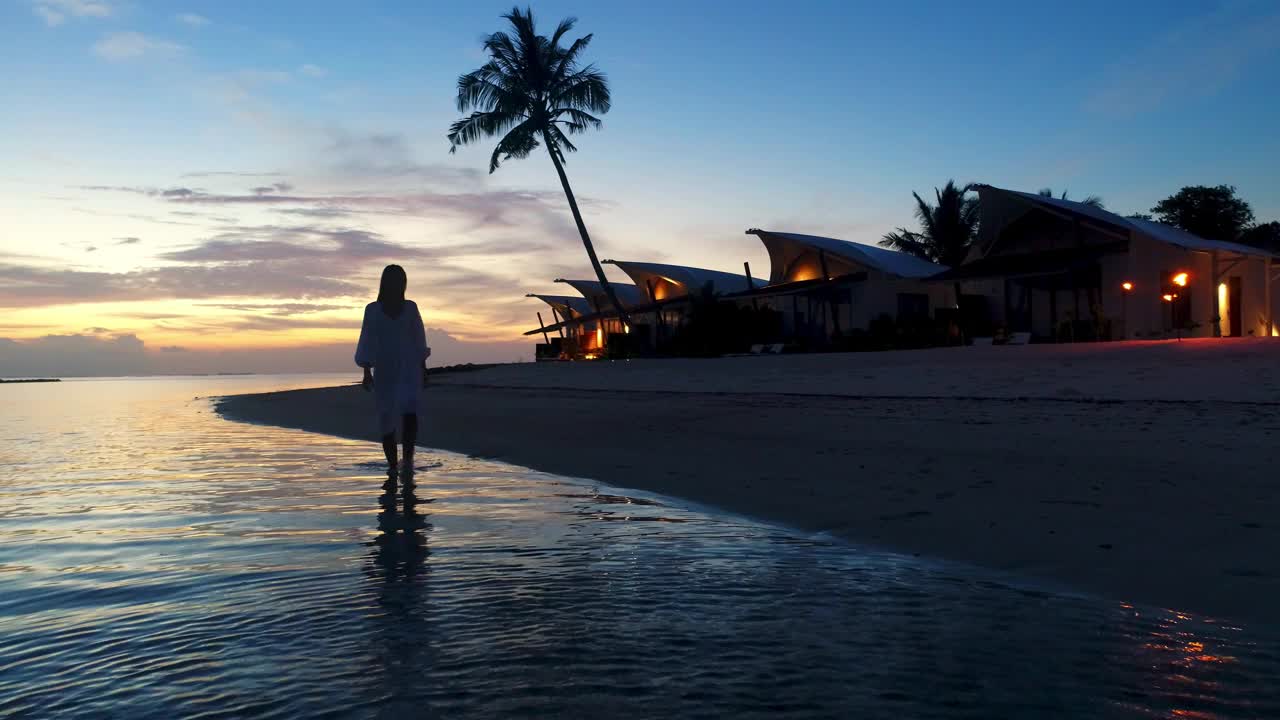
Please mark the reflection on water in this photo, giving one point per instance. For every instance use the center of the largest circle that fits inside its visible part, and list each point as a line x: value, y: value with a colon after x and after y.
x: 159, y: 561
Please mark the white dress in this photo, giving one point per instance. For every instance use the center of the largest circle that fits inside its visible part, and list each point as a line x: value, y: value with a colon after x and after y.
x: 396, y: 348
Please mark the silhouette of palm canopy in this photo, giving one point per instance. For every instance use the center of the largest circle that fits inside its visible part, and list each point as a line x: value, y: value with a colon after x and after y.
x: 947, y: 228
x: 1091, y: 200
x: 534, y: 91
x: 531, y: 87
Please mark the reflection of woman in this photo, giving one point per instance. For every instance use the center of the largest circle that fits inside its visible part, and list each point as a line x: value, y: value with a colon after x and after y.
x: 393, y: 344
x: 401, y: 642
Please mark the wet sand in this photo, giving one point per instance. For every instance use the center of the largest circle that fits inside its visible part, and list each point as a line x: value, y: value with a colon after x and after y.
x: 1138, y: 471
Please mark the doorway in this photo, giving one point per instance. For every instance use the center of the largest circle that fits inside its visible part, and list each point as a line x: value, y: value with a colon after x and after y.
x: 1234, y: 307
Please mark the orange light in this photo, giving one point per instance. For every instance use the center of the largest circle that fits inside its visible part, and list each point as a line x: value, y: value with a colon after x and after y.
x: 599, y: 337
x: 1126, y: 286
x: 1167, y: 298
x: 1180, y: 279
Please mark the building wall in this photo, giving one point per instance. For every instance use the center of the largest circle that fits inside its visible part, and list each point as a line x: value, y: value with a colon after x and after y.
x: 1149, y: 264
x: 878, y: 295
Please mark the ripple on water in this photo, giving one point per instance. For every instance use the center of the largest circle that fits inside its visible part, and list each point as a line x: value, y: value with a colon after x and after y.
x: 176, y: 564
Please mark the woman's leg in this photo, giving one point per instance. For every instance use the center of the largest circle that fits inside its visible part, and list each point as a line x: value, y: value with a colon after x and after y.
x: 410, y: 438
x: 389, y: 449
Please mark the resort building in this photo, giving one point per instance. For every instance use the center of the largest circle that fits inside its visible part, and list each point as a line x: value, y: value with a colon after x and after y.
x: 824, y: 287
x: 1048, y: 269
x: 1066, y: 271
x: 819, y: 292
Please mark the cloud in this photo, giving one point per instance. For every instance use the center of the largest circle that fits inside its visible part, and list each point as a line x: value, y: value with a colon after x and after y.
x: 81, y: 355
x: 280, y: 187
x: 75, y: 354
x: 192, y: 19
x: 122, y: 46
x: 281, y: 309
x: 314, y: 71
x: 528, y: 211
x: 1197, y: 59
x: 56, y: 12
x: 28, y: 286
x: 128, y: 241
x: 230, y: 173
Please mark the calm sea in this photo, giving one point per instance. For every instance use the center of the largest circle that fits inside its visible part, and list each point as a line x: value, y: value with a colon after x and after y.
x: 158, y: 561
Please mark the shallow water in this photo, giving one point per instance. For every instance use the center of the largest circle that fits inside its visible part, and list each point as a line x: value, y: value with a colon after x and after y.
x: 157, y: 560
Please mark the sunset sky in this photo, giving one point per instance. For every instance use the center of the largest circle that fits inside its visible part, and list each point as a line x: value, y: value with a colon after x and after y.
x: 215, y: 186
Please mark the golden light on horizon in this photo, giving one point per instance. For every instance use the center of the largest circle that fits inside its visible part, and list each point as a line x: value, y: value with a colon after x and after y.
x: 1181, y: 279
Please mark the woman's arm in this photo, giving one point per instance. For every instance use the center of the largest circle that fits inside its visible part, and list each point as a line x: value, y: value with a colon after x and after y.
x: 367, y: 348
x: 420, y: 341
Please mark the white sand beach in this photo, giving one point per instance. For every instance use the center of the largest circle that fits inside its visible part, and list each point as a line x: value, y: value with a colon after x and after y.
x: 1139, y: 471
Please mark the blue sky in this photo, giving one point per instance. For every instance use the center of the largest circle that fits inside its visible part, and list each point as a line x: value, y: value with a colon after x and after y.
x: 811, y: 116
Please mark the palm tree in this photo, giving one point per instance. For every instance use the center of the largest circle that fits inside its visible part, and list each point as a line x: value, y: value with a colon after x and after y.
x: 947, y: 229
x: 535, y: 91
x: 1091, y: 201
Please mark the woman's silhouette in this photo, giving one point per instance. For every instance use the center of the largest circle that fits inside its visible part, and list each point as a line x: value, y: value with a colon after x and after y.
x: 393, y: 352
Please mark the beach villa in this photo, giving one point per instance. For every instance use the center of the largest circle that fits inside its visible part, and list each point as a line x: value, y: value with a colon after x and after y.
x: 1044, y: 268
x: 818, y: 288
x: 1066, y: 271
x: 824, y: 287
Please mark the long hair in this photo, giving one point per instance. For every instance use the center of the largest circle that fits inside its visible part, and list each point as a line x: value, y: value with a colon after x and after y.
x: 391, y: 288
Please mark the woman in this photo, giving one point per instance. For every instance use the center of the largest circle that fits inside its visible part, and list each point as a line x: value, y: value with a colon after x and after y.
x: 393, y: 344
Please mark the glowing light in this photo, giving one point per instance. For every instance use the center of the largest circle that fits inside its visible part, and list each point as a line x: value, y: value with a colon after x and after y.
x: 626, y: 329
x: 599, y: 337
x: 1167, y: 297
x: 1224, y: 310
x: 1126, y: 286
x: 1181, y: 279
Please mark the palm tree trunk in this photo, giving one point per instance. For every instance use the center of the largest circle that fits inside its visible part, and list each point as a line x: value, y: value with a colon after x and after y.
x: 582, y: 230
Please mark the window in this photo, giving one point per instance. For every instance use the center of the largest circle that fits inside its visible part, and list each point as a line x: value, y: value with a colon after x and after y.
x: 913, y: 306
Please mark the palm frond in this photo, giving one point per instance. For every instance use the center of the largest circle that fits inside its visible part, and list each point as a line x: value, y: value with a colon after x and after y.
x: 577, y: 121
x: 560, y: 142
x: 518, y: 143
x: 567, y: 59
x: 479, y: 125
x: 563, y: 29
x: 587, y: 89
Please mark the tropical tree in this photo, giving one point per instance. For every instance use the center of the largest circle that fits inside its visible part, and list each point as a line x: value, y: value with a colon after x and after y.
x: 1091, y: 200
x: 1263, y: 235
x: 535, y: 91
x: 947, y: 228
x: 1210, y: 212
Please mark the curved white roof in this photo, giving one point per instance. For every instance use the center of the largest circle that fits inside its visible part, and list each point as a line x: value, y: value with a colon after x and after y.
x: 1154, y: 230
x: 887, y: 261
x: 686, y: 280
x: 576, y: 305
x: 593, y: 291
